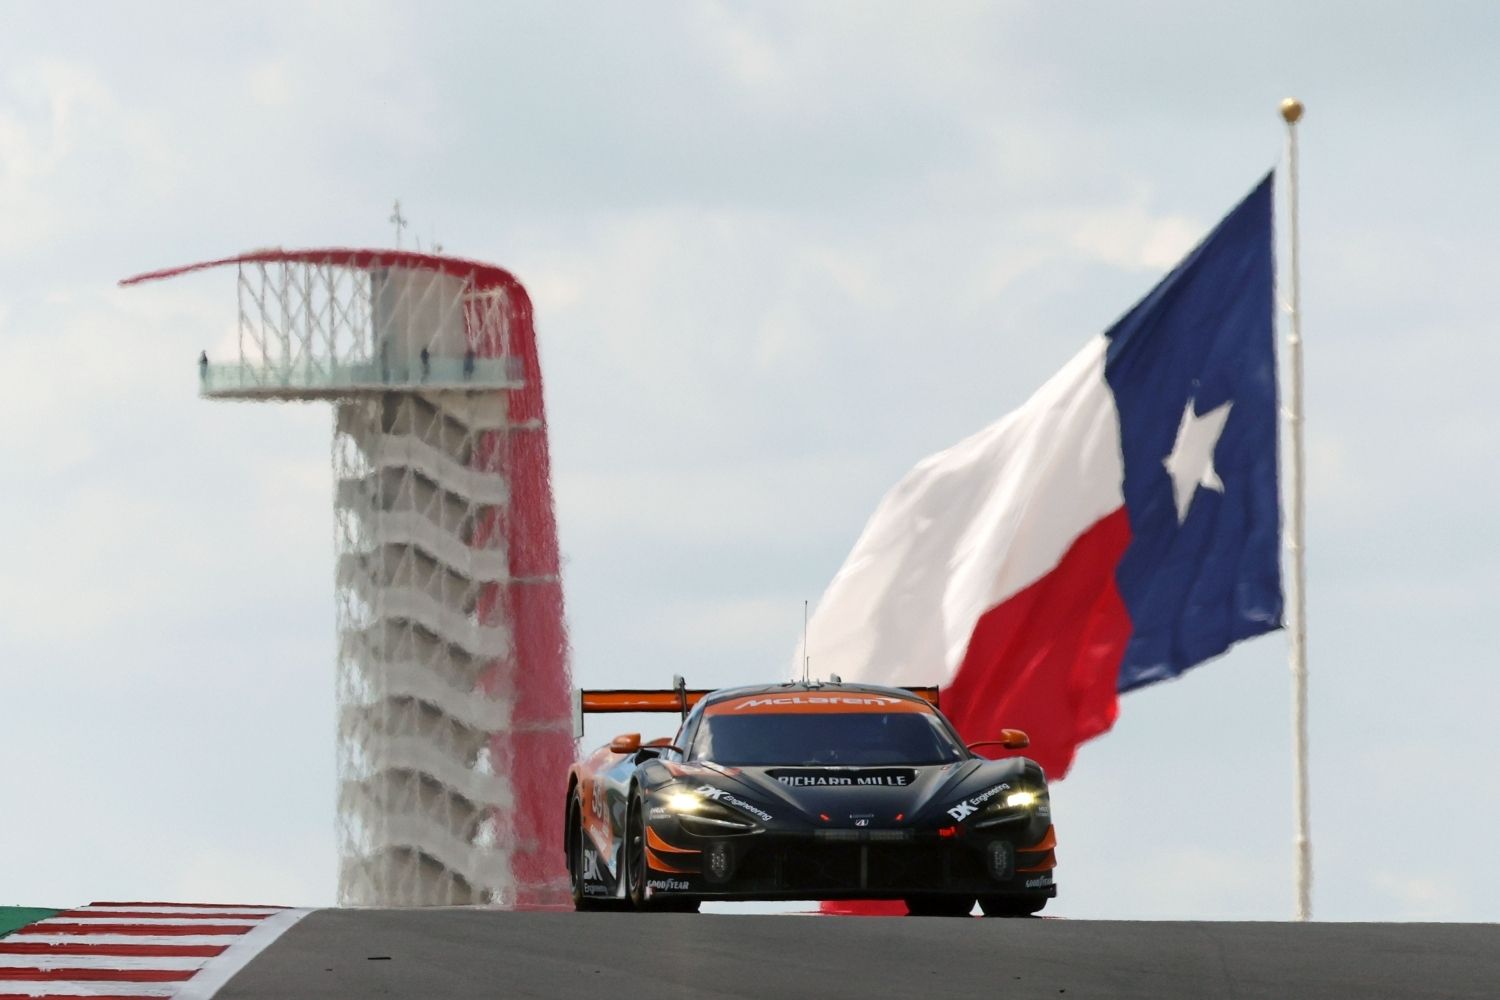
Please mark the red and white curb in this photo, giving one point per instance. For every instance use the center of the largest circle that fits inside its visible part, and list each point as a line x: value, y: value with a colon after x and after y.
x: 109, y: 951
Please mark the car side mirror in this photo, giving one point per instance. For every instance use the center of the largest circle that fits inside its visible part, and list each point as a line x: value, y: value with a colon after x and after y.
x: 1010, y: 739
x: 625, y: 743
x: 654, y: 751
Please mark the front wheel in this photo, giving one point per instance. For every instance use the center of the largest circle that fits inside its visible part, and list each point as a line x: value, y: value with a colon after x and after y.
x: 940, y: 906
x: 635, y: 854
x: 577, y: 859
x: 636, y: 870
x: 1012, y: 906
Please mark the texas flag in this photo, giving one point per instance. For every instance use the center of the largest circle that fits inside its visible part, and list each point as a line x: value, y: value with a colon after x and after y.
x: 1118, y: 528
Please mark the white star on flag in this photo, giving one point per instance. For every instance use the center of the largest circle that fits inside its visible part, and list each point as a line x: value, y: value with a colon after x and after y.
x: 1191, y: 463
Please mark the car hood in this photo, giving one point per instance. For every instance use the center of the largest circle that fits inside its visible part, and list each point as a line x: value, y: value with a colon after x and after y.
x: 863, y: 796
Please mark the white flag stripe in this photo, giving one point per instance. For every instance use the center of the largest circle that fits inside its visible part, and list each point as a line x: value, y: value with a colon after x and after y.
x: 69, y: 988
x: 969, y: 527
x: 93, y: 962
x: 30, y: 937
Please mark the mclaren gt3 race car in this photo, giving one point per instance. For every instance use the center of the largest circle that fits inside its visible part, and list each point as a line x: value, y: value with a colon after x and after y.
x: 806, y: 791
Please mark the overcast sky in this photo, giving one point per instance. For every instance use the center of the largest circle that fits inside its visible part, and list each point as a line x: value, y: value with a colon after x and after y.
x: 779, y: 253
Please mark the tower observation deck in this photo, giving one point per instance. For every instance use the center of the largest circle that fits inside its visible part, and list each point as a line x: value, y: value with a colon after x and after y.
x: 454, y: 712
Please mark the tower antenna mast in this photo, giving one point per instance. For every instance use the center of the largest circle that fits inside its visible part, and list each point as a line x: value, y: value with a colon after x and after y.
x: 399, y: 221
x: 805, y: 657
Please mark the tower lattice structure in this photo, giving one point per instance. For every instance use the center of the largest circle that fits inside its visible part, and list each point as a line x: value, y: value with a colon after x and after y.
x: 454, y: 711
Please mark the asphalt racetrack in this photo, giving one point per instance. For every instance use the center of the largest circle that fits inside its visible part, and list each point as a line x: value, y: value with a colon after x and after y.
x: 485, y: 953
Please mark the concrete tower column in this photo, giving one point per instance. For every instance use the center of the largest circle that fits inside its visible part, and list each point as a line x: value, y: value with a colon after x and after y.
x: 454, y: 720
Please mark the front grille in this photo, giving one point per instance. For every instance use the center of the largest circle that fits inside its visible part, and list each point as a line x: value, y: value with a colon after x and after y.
x: 865, y: 836
x: 822, y: 867
x: 831, y: 866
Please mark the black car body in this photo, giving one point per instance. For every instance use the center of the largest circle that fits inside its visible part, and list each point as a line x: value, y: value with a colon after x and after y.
x: 810, y: 791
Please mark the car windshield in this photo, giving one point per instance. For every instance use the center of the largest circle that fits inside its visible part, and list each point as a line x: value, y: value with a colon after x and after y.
x: 839, y: 739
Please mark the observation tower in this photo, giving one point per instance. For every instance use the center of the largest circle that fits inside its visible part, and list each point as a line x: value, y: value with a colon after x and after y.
x: 454, y: 710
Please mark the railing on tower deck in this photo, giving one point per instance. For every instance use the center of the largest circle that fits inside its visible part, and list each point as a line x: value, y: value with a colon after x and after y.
x: 323, y: 379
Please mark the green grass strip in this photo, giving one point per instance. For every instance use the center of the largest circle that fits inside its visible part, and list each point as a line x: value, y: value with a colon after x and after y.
x: 13, y: 918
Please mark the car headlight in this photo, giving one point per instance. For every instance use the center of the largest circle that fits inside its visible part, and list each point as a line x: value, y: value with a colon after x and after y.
x: 709, y: 809
x: 681, y: 802
x: 1012, y: 807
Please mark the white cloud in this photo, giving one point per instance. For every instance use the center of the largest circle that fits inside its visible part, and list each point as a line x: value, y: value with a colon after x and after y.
x: 273, y: 875
x: 755, y: 61
x: 271, y: 83
x: 1418, y: 897
x: 699, y: 504
x: 690, y: 625
x: 1126, y: 235
x: 1207, y: 883
x: 47, y: 106
x: 64, y: 133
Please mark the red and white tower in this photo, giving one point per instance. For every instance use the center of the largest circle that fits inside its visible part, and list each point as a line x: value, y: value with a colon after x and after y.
x: 454, y: 727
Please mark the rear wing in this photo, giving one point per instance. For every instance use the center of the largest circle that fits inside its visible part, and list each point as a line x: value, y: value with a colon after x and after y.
x: 678, y: 698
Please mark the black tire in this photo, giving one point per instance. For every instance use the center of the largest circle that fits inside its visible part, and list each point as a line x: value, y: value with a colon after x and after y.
x: 940, y: 906
x: 1012, y: 906
x: 634, y: 854
x: 635, y: 868
x: 575, y: 836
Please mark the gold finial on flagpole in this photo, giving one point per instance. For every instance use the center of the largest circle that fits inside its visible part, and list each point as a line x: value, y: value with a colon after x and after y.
x: 1291, y: 110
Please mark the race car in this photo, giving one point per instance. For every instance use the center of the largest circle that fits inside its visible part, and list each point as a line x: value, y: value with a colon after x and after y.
x: 806, y: 791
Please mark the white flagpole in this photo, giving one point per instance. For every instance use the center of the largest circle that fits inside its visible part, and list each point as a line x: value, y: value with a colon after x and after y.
x: 1291, y: 113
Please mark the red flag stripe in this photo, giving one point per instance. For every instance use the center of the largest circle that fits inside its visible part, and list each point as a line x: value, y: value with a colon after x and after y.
x: 141, y: 915
x: 26, y: 975
x: 8, y: 947
x: 44, y: 927
x: 1046, y: 659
